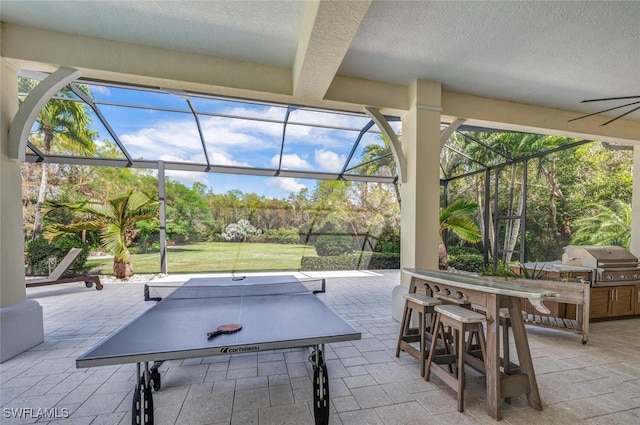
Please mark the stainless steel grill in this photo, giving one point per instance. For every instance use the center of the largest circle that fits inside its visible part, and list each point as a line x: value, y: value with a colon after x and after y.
x: 612, y: 265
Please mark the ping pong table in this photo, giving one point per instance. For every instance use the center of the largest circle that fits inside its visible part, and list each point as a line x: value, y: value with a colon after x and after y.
x: 276, y: 312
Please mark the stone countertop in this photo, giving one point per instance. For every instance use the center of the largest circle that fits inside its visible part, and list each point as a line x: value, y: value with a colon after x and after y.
x: 501, y: 286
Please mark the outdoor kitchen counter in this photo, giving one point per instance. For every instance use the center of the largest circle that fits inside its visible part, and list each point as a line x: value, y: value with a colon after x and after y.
x: 492, y: 294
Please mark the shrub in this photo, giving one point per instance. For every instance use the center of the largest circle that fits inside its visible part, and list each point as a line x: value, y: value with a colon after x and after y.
x: 389, y: 240
x: 240, y: 231
x: 343, y: 262
x: 384, y: 260
x: 467, y: 262
x: 333, y: 245
x: 364, y: 261
x: 40, y: 250
x: 282, y: 236
x: 459, y: 250
x: 503, y: 270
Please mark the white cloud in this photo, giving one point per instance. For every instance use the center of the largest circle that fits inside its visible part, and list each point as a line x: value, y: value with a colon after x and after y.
x: 299, y: 130
x: 177, y: 139
x: 243, y: 142
x: 291, y: 162
x: 275, y: 113
x: 329, y: 161
x: 187, y: 178
x: 99, y: 89
x: 285, y: 184
x: 223, y: 158
x: 238, y: 133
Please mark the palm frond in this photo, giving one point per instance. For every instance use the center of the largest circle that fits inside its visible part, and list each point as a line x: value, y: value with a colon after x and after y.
x: 113, y: 239
x: 605, y: 226
x: 457, y: 219
x: 55, y: 231
x: 463, y: 227
x: 52, y: 205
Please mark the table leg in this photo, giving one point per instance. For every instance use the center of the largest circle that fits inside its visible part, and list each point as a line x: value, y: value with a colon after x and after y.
x: 524, y: 352
x: 142, y: 406
x: 320, y: 387
x: 492, y: 361
x: 585, y: 313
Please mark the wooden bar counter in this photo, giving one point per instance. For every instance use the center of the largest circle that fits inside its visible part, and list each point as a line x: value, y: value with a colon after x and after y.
x: 492, y: 294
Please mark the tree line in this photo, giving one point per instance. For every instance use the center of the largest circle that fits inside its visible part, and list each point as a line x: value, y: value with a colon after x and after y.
x: 579, y: 195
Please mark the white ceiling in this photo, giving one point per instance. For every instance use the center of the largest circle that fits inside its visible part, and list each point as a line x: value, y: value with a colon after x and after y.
x: 553, y: 54
x: 256, y: 31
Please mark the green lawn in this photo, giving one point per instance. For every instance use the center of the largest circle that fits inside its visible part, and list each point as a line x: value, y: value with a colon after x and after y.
x: 216, y: 257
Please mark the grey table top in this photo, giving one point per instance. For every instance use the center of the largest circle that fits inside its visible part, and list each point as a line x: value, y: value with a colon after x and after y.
x: 275, y: 312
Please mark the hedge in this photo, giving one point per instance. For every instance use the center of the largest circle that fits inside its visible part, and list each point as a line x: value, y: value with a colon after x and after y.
x: 467, y: 262
x: 288, y: 236
x: 364, y: 261
x: 334, y: 245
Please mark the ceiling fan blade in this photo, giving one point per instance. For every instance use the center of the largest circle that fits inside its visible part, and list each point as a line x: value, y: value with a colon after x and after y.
x: 618, y: 117
x: 607, y: 110
x: 610, y: 98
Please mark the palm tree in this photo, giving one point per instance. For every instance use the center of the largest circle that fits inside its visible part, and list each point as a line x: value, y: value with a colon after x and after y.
x: 456, y: 218
x: 62, y: 120
x: 116, y: 219
x: 605, y: 226
x: 378, y: 160
x: 512, y: 146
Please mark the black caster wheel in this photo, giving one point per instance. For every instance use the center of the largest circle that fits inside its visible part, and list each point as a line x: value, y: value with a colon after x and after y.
x: 155, y: 379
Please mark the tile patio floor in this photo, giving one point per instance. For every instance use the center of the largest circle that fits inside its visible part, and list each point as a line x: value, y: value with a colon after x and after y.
x: 594, y: 384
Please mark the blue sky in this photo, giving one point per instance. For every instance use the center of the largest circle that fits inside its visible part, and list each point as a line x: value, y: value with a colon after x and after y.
x: 249, y: 135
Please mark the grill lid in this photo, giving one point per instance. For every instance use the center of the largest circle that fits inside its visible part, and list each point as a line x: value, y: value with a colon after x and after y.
x: 606, y: 256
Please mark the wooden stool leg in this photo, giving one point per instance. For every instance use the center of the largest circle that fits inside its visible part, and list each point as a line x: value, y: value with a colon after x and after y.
x: 438, y: 328
x: 422, y: 324
x: 448, y: 348
x: 404, y: 325
x: 432, y: 322
x: 483, y: 342
x: 464, y: 325
x: 460, y: 333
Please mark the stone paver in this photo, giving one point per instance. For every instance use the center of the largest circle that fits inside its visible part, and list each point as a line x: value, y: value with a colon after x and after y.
x: 598, y: 383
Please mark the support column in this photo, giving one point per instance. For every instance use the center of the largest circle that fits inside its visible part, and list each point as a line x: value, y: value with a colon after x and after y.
x: 635, y: 204
x: 21, y: 321
x: 421, y: 191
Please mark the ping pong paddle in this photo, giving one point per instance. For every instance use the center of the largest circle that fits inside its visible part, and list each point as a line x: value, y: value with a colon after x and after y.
x: 225, y: 329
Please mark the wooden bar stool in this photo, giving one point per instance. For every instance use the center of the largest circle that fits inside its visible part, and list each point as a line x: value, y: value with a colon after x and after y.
x: 461, y: 321
x: 423, y: 305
